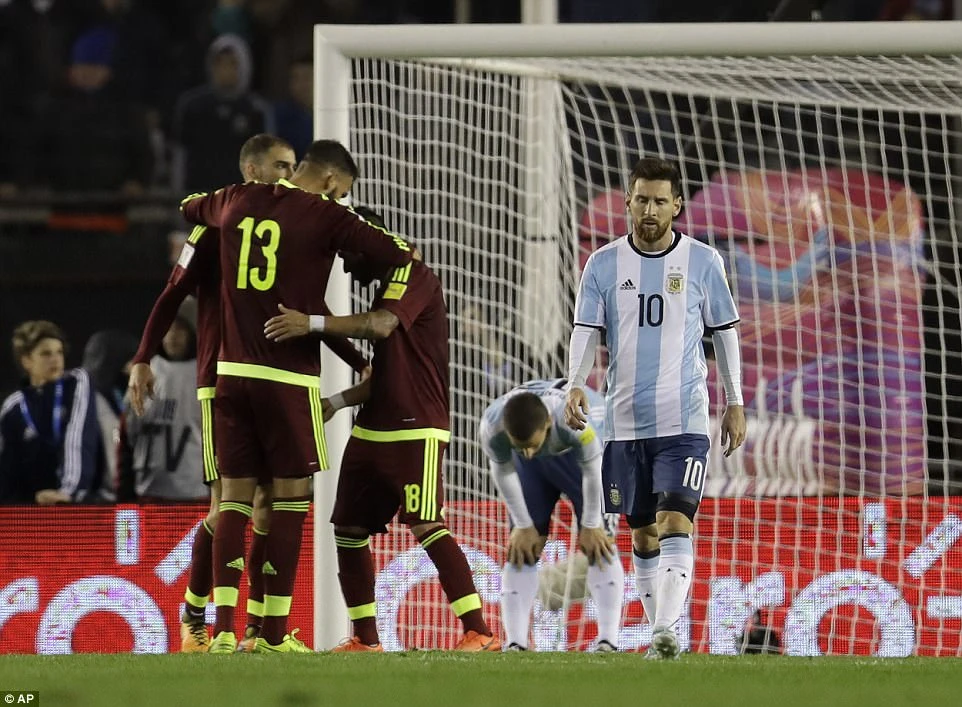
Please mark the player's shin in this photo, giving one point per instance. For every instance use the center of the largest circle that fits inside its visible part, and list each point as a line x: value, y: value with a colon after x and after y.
x: 355, y: 566
x: 280, y: 567
x: 201, y: 573
x: 228, y: 554
x: 646, y: 580
x: 255, y: 575
x: 674, y: 578
x: 606, y: 582
x: 519, y: 587
x: 455, y: 577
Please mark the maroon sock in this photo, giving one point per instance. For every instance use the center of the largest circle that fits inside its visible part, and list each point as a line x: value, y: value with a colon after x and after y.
x: 280, y: 567
x: 255, y: 575
x: 455, y: 577
x: 229, y: 560
x: 201, y: 577
x: 355, y: 566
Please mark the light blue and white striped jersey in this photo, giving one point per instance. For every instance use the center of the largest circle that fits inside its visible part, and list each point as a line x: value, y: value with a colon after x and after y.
x: 654, y: 309
x: 587, y: 442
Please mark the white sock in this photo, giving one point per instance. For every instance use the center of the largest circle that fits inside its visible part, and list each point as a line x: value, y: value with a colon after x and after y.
x: 674, y: 579
x: 646, y: 582
x: 519, y: 587
x: 606, y: 582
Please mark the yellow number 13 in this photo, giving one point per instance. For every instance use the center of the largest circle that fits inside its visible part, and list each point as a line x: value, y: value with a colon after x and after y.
x: 269, y: 233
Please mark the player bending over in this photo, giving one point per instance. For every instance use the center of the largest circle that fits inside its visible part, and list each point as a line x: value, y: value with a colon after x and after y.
x: 535, y: 458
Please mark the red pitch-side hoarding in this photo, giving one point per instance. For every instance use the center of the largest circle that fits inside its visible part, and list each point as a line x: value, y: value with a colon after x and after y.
x: 842, y: 577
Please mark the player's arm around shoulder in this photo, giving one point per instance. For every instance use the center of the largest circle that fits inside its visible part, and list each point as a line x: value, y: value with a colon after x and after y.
x: 291, y: 323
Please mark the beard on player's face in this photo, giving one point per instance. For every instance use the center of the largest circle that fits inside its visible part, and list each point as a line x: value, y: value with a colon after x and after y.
x: 651, y: 231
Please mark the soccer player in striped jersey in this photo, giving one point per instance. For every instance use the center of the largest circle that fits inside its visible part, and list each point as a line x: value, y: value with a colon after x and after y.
x: 263, y: 158
x: 655, y: 292
x: 393, y: 460
x: 535, y: 457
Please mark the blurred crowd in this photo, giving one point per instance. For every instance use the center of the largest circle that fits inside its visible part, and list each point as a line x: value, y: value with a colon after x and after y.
x: 141, y: 95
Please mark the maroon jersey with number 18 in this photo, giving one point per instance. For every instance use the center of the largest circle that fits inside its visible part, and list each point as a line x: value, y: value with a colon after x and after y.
x: 277, y: 245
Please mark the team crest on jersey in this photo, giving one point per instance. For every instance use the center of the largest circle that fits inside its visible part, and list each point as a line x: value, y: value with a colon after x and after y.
x: 675, y: 283
x: 614, y: 495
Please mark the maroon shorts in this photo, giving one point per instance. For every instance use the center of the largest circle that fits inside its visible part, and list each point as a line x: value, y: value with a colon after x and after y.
x: 265, y: 429
x: 379, y: 478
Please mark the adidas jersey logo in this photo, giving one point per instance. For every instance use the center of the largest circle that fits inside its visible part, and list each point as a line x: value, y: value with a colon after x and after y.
x: 237, y: 564
x: 627, y: 285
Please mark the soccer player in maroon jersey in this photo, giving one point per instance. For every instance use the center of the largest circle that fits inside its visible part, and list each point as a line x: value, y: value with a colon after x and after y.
x: 394, y: 457
x: 277, y: 244
x: 263, y: 158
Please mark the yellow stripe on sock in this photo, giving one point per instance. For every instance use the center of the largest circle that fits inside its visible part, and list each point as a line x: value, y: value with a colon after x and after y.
x: 258, y: 531
x: 341, y: 541
x: 434, y: 537
x: 465, y: 604
x: 195, y: 600
x: 239, y: 507
x: 208, y: 528
x: 363, y: 611
x: 225, y: 596
x: 276, y: 606
x: 292, y: 506
x: 256, y: 608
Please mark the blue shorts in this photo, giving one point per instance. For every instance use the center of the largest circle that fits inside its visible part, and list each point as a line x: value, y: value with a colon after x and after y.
x: 634, y: 473
x: 543, y: 480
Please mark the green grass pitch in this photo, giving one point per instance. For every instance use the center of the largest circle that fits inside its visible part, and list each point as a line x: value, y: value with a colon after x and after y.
x: 429, y: 679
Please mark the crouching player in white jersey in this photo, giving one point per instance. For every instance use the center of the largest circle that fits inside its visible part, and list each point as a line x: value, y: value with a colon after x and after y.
x: 534, y: 458
x: 655, y: 292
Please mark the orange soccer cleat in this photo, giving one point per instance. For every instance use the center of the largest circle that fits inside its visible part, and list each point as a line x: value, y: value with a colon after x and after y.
x: 474, y: 642
x: 193, y: 637
x: 354, y: 645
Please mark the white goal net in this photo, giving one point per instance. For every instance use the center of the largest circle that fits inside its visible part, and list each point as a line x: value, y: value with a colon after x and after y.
x: 831, y: 187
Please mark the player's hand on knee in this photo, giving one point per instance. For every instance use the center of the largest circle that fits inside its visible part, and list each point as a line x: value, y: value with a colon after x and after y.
x: 577, y: 409
x: 140, y: 386
x: 733, y: 428
x: 289, y: 324
x: 596, y: 544
x: 524, y: 546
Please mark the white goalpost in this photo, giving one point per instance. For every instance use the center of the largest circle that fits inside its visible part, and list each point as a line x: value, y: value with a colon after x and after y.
x: 821, y: 159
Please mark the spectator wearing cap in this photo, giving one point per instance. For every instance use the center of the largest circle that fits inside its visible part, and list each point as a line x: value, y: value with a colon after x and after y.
x: 49, y: 437
x: 87, y: 138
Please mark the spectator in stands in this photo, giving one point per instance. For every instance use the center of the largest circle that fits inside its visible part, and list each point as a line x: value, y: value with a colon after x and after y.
x: 106, y: 359
x: 212, y: 122
x: 161, y: 456
x: 48, y: 429
x: 86, y: 138
x: 294, y: 115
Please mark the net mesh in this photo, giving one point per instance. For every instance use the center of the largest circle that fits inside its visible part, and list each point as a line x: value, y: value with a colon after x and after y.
x: 830, y: 187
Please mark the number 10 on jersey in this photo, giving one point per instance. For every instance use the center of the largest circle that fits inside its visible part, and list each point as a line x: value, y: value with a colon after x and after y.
x: 651, y: 310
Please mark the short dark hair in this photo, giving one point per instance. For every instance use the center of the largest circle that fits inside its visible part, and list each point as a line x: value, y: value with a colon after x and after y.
x: 331, y: 153
x: 28, y: 335
x: 370, y: 215
x: 257, y: 146
x: 656, y: 169
x: 524, y: 414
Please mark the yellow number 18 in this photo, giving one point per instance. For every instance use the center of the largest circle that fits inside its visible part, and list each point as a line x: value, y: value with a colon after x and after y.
x: 269, y: 233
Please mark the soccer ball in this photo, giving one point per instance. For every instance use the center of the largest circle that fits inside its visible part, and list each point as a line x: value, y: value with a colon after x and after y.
x: 563, y: 582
